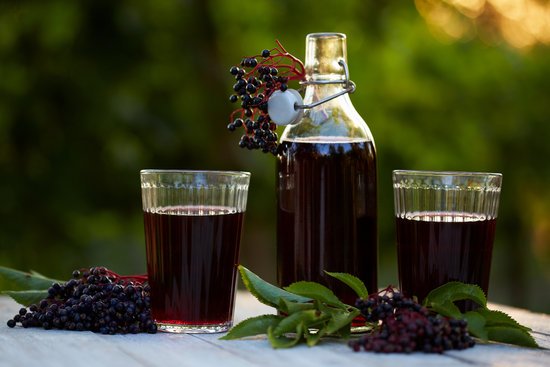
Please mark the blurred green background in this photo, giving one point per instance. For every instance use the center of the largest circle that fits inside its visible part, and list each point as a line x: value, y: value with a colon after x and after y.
x: 93, y: 91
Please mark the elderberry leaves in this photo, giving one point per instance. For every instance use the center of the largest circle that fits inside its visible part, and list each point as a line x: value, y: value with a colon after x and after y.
x: 351, y: 281
x: 27, y: 297
x: 17, y: 280
x: 306, y: 305
x: 266, y: 292
x: 252, y: 326
x: 256, y: 79
x: 309, y: 311
x: 483, y: 323
x: 25, y: 288
x: 442, y: 298
x: 498, y: 326
x: 316, y: 291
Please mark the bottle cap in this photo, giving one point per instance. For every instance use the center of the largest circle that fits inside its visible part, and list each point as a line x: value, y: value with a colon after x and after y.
x: 281, y: 107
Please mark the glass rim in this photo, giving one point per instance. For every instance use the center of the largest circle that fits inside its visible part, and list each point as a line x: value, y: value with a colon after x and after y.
x: 191, y: 171
x: 326, y: 35
x: 446, y: 173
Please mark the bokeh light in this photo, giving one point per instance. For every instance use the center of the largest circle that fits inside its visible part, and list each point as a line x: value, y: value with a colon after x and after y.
x: 520, y: 23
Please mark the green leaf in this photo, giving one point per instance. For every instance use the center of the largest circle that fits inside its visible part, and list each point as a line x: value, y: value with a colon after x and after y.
x: 312, y: 338
x: 289, y: 324
x: 353, y: 282
x: 21, y: 281
x: 344, y: 332
x: 252, y: 326
x: 447, y: 308
x: 499, y: 318
x: 456, y: 291
x: 498, y: 326
x: 265, y: 292
x: 289, y: 307
x: 283, y: 341
x: 37, y: 274
x: 511, y: 335
x: 316, y: 291
x: 28, y: 297
x: 476, y: 325
x: 340, y: 320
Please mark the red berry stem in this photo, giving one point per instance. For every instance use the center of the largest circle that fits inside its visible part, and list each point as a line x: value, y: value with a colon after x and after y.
x: 138, y: 279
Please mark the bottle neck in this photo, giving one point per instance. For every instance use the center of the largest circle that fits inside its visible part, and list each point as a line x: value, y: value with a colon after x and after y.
x: 317, y: 92
x: 325, y: 75
x: 324, y: 52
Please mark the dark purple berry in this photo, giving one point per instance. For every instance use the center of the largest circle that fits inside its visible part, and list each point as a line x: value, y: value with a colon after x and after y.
x: 406, y: 326
x: 90, y: 301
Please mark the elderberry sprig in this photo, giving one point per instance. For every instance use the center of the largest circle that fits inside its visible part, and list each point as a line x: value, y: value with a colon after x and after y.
x: 307, y: 306
x: 256, y: 79
x: 308, y: 311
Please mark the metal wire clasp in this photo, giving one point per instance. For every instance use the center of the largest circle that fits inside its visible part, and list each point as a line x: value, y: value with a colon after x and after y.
x: 349, y: 88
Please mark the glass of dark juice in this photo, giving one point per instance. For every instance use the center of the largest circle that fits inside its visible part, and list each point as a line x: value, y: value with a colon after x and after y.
x: 193, y: 222
x: 445, y: 228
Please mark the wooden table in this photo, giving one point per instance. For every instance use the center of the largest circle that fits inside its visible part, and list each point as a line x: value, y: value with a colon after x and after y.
x: 37, y: 347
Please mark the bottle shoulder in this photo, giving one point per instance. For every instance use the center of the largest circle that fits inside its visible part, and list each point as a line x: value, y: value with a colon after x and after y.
x: 334, y: 120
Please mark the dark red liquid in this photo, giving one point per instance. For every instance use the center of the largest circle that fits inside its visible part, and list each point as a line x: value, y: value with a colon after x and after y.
x: 431, y: 253
x: 191, y: 263
x: 326, y: 215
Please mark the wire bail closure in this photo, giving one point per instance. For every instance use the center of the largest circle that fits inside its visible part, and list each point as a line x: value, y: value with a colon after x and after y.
x: 349, y: 88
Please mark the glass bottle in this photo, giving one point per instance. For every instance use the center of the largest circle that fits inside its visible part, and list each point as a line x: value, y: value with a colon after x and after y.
x: 326, y: 181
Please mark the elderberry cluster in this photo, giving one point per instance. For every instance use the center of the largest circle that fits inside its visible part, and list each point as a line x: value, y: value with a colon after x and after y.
x: 95, y: 299
x: 404, y: 326
x: 259, y: 129
x: 255, y: 83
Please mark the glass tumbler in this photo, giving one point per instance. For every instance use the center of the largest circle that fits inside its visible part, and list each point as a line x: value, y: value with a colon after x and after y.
x: 445, y: 228
x: 193, y: 222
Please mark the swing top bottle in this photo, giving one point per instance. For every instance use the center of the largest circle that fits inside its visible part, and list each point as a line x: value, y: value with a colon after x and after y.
x: 326, y: 180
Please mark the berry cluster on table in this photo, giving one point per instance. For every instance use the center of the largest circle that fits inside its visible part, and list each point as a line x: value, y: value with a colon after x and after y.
x: 405, y: 326
x: 95, y: 299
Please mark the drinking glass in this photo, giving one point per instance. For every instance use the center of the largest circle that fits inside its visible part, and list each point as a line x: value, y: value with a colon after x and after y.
x: 193, y: 222
x: 445, y: 228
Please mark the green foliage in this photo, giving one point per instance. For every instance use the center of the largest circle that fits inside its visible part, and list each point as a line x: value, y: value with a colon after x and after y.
x: 28, y: 297
x: 268, y: 293
x: 326, y: 315
x: 315, y: 291
x: 310, y: 311
x: 351, y: 281
x: 24, y: 288
x: 93, y: 91
x: 510, y: 335
x: 252, y: 326
x: 476, y: 325
x: 483, y: 323
x: 443, y: 298
x: 19, y: 281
